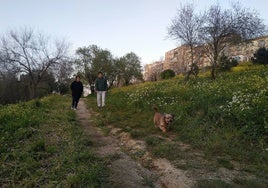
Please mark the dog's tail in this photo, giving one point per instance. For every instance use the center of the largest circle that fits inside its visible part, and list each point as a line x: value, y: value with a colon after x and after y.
x: 155, y: 108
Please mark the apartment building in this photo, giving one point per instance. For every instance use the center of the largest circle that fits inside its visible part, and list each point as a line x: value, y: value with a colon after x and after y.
x: 178, y: 59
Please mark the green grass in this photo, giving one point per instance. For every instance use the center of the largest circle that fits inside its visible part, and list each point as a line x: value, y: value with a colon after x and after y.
x: 212, y: 184
x: 226, y: 118
x: 217, y: 183
x: 42, y: 145
x: 225, y: 162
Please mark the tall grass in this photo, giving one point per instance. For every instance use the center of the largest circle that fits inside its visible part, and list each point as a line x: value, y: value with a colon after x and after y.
x: 41, y: 145
x: 226, y: 117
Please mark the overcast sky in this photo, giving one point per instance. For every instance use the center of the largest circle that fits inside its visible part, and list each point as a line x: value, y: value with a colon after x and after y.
x: 120, y: 26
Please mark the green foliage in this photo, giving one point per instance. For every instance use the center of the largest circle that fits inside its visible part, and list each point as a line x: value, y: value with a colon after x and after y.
x: 129, y: 67
x: 212, y: 184
x: 216, y: 183
x: 227, y: 116
x: 225, y: 163
x: 13, y: 89
x: 63, y: 88
x: 248, y: 183
x: 152, y: 141
x: 166, y: 74
x: 93, y: 59
x: 43, y: 146
x: 226, y: 63
x: 261, y: 56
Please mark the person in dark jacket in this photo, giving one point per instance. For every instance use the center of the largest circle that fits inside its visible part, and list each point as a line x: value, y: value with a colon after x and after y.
x: 77, y: 90
x: 101, y: 89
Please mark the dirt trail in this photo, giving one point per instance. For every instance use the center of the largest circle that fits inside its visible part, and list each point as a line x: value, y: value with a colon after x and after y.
x: 125, y: 170
x: 132, y: 165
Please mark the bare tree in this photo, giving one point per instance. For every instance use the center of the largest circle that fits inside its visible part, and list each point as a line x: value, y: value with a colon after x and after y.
x: 215, y: 30
x: 223, y: 28
x: 63, y: 70
x: 26, y: 52
x: 185, y: 27
x: 63, y: 73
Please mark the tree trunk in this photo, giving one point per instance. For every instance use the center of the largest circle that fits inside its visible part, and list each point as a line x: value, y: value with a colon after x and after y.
x: 213, y: 71
x: 213, y: 76
x: 188, y: 74
x: 214, y: 65
x: 191, y: 65
x: 34, y: 91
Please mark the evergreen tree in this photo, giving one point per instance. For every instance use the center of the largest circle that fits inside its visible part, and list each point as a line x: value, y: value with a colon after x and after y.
x: 261, y: 56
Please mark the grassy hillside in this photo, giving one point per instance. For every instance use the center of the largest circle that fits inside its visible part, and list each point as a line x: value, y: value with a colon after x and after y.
x: 41, y: 145
x: 226, y: 118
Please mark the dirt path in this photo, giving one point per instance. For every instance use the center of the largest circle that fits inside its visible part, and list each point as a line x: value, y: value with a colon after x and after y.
x: 125, y: 170
x: 132, y: 165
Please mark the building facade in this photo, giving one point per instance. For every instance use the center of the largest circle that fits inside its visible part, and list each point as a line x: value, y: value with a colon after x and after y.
x: 152, y: 71
x: 179, y: 59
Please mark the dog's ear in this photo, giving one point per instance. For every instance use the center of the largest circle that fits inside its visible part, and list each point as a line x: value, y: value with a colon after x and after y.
x: 173, y: 115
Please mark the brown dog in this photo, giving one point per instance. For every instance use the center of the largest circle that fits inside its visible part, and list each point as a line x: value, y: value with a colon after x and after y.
x: 162, y: 121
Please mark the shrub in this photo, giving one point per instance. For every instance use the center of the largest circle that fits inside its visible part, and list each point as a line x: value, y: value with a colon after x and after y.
x: 261, y: 56
x: 226, y: 63
x: 63, y: 88
x: 166, y: 74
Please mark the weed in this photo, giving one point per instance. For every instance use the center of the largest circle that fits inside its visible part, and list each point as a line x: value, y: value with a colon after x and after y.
x: 153, y: 141
x: 224, y: 117
x: 106, y: 131
x: 225, y: 163
x: 86, y: 141
x: 43, y: 146
x: 148, y: 181
x: 139, y: 153
x: 39, y: 146
x: 248, y: 183
x: 212, y: 184
x: 166, y: 150
x: 112, y: 157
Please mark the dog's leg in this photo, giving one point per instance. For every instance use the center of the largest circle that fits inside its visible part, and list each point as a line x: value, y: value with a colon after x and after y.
x: 155, y: 122
x: 163, y: 128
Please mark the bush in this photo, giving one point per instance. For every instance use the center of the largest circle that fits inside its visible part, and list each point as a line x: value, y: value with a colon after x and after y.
x: 261, y: 56
x: 63, y: 88
x: 166, y: 74
x: 226, y: 63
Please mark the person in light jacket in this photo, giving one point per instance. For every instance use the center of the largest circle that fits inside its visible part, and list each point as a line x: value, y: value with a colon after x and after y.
x: 101, y: 89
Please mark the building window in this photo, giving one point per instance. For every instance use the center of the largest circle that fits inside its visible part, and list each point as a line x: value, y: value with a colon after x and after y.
x: 262, y: 44
x: 175, y: 54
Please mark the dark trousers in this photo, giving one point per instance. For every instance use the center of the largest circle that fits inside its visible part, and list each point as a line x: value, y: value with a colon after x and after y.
x: 75, y: 101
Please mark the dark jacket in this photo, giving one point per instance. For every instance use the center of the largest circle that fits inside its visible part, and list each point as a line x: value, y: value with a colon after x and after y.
x: 101, y: 84
x: 77, y: 89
